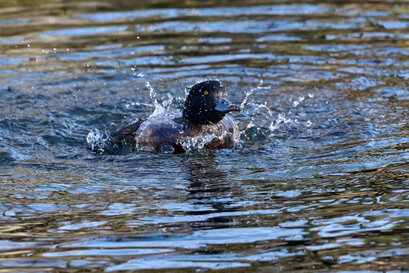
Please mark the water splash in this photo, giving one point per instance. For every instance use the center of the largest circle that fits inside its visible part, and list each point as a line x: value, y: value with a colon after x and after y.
x: 159, y: 109
x: 281, y: 119
x: 251, y: 91
x: 195, y: 143
x: 199, y: 142
x: 167, y: 103
x: 97, y: 140
x: 263, y: 122
x: 136, y: 73
x: 298, y: 101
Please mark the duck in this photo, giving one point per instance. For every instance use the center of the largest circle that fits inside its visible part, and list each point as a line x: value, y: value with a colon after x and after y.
x: 205, y: 119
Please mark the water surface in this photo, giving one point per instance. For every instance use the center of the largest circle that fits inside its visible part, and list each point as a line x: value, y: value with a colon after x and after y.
x: 319, y: 182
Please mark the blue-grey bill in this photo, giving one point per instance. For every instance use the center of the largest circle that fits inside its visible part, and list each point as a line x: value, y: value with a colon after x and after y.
x: 225, y: 106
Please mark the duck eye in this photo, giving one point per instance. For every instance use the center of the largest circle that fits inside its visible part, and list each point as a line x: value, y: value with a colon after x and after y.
x: 206, y: 92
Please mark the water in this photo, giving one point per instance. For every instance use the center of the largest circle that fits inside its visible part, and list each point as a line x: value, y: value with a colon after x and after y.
x: 318, y: 182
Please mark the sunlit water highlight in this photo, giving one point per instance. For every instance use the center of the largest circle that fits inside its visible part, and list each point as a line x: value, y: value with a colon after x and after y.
x: 318, y: 181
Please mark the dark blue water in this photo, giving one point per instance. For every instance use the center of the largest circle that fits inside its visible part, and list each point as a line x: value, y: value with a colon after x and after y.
x: 319, y: 180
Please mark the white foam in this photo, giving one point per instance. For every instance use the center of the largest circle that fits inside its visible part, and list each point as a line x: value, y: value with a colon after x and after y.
x: 96, y: 140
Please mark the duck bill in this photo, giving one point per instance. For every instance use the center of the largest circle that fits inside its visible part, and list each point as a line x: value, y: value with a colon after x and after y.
x: 225, y: 106
x: 233, y: 108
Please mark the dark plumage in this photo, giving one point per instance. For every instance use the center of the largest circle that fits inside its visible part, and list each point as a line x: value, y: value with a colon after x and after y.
x: 204, y: 118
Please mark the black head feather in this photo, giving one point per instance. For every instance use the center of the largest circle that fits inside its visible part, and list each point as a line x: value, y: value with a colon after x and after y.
x: 206, y: 103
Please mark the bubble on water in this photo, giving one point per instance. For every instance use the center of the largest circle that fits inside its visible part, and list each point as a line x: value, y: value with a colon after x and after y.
x: 308, y: 123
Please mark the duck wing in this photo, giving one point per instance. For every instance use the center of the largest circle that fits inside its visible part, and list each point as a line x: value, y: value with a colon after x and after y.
x: 126, y: 135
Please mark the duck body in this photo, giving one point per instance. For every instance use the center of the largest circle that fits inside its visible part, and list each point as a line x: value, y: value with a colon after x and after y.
x: 204, y: 123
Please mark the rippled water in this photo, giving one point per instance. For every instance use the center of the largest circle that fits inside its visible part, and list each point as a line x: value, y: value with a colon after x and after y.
x: 319, y: 181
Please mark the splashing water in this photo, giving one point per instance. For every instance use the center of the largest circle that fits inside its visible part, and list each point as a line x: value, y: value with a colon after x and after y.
x: 251, y: 91
x: 195, y: 143
x: 199, y: 142
x: 298, y: 101
x: 263, y: 122
x: 267, y: 115
x: 330, y: 197
x: 159, y: 109
x: 168, y: 102
x: 281, y: 119
x: 97, y: 140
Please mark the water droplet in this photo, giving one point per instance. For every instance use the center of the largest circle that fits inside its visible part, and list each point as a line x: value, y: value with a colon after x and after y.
x: 281, y: 119
x: 251, y: 91
x: 298, y: 101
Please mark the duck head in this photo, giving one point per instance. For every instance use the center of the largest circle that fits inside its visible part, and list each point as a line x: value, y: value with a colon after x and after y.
x: 207, y: 103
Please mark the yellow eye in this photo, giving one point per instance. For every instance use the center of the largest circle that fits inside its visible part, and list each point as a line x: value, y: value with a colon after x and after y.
x: 206, y: 92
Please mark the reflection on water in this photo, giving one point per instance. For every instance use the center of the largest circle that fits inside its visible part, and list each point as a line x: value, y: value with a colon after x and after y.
x: 319, y: 181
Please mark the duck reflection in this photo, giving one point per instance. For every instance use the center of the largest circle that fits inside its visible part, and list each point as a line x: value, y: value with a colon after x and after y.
x: 210, y: 188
